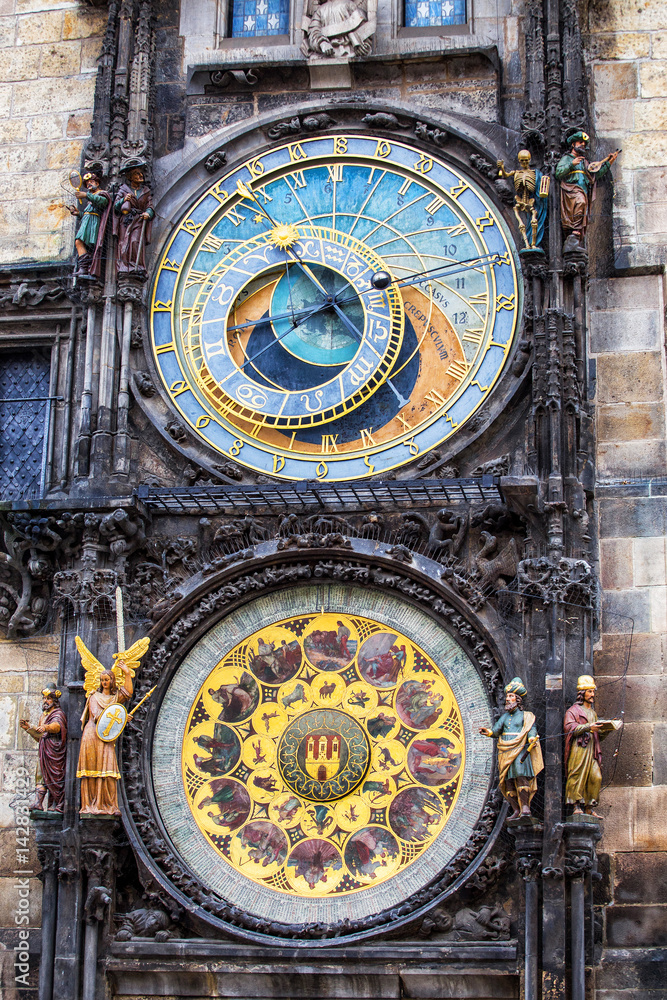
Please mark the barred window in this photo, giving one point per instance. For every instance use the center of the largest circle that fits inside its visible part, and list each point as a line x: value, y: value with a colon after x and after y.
x: 433, y: 13
x: 259, y: 17
x: 24, y: 415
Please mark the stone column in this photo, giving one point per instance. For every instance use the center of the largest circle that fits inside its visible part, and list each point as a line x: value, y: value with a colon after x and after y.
x: 47, y: 834
x: 581, y: 834
x: 527, y: 832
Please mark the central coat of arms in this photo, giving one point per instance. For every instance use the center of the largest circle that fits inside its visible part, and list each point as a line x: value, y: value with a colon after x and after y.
x: 323, y: 754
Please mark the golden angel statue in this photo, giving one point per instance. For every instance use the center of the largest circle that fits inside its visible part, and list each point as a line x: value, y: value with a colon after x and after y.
x: 98, y: 765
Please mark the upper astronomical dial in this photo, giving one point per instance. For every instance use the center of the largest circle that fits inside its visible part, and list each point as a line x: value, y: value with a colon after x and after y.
x: 281, y: 348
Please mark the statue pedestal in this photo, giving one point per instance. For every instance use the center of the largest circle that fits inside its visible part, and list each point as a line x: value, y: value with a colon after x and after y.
x: 527, y: 832
x: 330, y: 74
x: 580, y: 834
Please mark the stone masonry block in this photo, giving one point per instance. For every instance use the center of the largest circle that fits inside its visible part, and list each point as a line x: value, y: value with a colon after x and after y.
x: 633, y: 765
x: 650, y: 562
x: 8, y: 722
x: 8, y: 853
x: 630, y: 926
x: 630, y: 421
x: 616, y: 564
x: 625, y: 330
x: 643, y: 655
x: 21, y: 63
x: 641, y: 292
x: 635, y: 517
x: 653, y: 78
x: 80, y: 125
x: 658, y: 597
x: 645, y: 698
x: 649, y: 115
x: 22, y: 159
x: 619, y: 606
x: 652, y: 218
x: 37, y: 29
x: 615, y: 116
x: 61, y: 94
x: 644, y: 149
x: 645, y: 972
x: 63, y: 59
x: 48, y: 126
x: 641, y: 878
x: 63, y: 154
x: 620, y: 45
x: 626, y: 15
x: 84, y: 22
x: 659, y: 45
x: 7, y: 31
x: 651, y: 185
x: 13, y: 131
x: 9, y: 897
x: 615, y: 81
x: 660, y: 754
x: 634, y: 819
x: 631, y: 377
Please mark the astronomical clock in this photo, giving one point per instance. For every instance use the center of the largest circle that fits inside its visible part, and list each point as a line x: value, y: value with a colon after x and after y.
x: 331, y: 763
x: 334, y: 308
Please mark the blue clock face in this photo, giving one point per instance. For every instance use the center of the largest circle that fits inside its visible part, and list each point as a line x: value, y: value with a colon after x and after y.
x: 334, y: 308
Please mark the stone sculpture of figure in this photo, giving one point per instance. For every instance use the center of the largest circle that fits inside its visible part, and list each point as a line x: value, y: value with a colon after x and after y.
x: 519, y: 752
x: 578, y: 178
x: 531, y: 196
x: 583, y: 757
x: 51, y: 734
x: 98, y: 765
x: 89, y: 239
x: 337, y: 28
x: 133, y: 215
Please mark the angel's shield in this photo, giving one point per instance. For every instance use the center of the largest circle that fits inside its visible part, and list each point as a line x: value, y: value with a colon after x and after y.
x: 111, y: 723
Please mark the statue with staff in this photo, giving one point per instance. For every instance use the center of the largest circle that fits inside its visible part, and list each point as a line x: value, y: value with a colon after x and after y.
x: 104, y: 718
x: 519, y: 752
x: 133, y: 217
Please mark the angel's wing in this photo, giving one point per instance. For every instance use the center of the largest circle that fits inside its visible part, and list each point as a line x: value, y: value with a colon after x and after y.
x: 131, y: 657
x: 92, y: 666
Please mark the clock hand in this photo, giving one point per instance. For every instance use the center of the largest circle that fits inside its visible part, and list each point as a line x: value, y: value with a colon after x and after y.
x: 247, y: 193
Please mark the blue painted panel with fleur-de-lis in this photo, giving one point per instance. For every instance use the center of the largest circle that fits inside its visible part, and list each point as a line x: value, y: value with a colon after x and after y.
x: 260, y: 17
x: 433, y: 13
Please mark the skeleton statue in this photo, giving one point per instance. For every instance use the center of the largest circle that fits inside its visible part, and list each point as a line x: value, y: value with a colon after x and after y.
x: 531, y: 192
x: 338, y: 28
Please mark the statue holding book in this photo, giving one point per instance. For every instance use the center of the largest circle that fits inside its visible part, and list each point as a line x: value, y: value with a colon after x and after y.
x: 583, y: 756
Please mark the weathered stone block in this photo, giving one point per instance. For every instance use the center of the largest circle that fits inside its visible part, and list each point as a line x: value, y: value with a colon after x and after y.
x: 36, y: 29
x: 616, y: 564
x: 634, y: 763
x: 21, y: 63
x: 636, y: 376
x: 645, y: 654
x: 432, y: 983
x: 620, y: 605
x: 630, y: 421
x: 652, y: 217
x: 13, y: 131
x: 614, y: 116
x: 47, y: 127
x: 8, y: 722
x: 63, y: 59
x: 22, y: 159
x: 7, y: 31
x: 625, y: 330
x: 644, y: 149
x: 90, y: 53
x: 8, y: 853
x: 650, y: 562
x: 11, y: 683
x: 641, y: 878
x: 615, y: 81
x: 650, y: 185
x: 653, y: 78
x: 63, y: 154
x: 627, y: 15
x: 645, y: 698
x: 649, y: 115
x: 646, y: 970
x: 63, y: 95
x: 629, y: 926
x: 78, y: 125
x: 9, y: 899
x: 658, y: 609
x: 620, y: 45
x: 636, y: 516
x: 84, y: 22
x: 634, y: 819
x: 14, y: 216
x: 660, y: 754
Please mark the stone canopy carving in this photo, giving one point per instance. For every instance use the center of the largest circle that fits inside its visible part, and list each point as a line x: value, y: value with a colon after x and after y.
x: 338, y: 29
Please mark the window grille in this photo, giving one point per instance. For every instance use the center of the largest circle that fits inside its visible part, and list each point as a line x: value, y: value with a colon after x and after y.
x: 434, y: 13
x: 250, y: 18
x: 25, y: 407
